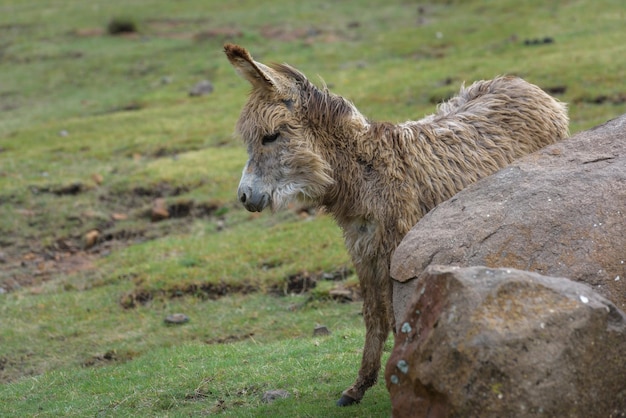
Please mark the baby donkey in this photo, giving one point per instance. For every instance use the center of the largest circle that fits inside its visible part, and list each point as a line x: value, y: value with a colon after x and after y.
x: 378, y: 179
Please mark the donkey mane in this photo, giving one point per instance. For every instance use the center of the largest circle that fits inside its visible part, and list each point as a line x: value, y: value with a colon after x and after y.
x: 322, y: 107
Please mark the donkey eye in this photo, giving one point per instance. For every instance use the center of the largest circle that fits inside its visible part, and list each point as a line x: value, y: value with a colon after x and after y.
x: 269, y: 138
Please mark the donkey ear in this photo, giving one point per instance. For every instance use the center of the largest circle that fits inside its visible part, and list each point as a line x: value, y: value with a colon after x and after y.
x: 257, y: 74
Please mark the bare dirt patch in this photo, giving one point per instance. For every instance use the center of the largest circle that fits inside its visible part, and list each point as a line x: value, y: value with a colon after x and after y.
x: 304, y: 282
x: 33, y: 269
x: 555, y: 90
x: 111, y: 356
x: 204, y: 29
x: 299, y: 283
x: 230, y: 339
x: 223, y: 33
x: 210, y: 291
x: 309, y: 35
x: 616, y: 98
x: 60, y: 190
x: 198, y: 29
x: 72, y: 243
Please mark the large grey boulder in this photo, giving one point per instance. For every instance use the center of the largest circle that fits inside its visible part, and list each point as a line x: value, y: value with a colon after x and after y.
x: 480, y: 342
x: 559, y: 212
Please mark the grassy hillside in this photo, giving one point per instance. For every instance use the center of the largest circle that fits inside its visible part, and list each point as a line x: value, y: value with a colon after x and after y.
x: 99, y: 136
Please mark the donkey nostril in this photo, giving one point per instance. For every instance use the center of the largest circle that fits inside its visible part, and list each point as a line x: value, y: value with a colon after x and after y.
x: 243, y: 198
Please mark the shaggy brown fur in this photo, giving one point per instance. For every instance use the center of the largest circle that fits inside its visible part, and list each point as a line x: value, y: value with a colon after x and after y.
x: 379, y: 179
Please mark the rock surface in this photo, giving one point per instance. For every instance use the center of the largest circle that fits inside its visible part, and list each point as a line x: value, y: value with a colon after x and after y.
x: 480, y: 342
x: 559, y: 212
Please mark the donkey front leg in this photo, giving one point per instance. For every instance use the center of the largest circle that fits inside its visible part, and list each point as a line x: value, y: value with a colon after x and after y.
x: 377, y: 312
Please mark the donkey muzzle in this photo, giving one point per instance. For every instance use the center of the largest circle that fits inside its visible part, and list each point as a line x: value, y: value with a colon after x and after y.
x: 252, y: 200
x: 252, y: 192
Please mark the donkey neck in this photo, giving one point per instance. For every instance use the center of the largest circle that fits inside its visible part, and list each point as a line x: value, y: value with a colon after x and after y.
x: 367, y: 162
x: 365, y: 157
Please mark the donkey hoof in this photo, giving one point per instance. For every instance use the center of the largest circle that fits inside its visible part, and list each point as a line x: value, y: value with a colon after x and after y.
x: 346, y: 400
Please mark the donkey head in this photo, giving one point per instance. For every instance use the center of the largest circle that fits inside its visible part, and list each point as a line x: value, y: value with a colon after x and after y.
x: 284, y: 161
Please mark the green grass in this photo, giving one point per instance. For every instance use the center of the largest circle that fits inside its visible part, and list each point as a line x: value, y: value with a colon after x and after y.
x: 94, y: 128
x: 196, y: 379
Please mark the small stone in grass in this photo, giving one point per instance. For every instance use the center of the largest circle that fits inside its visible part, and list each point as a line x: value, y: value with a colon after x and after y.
x: 119, y: 216
x: 176, y: 319
x: 91, y: 238
x: 201, y: 88
x: 159, y: 210
x: 97, y: 178
x: 271, y: 395
x: 320, y: 330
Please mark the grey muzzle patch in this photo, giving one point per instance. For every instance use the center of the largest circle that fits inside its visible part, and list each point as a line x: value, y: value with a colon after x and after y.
x: 253, y: 201
x: 252, y: 192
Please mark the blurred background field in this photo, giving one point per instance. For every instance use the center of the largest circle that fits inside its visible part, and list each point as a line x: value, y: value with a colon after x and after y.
x: 118, y: 181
